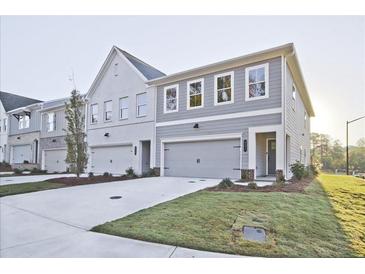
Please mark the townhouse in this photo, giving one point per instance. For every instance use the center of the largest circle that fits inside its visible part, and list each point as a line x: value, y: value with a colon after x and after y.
x: 245, y: 117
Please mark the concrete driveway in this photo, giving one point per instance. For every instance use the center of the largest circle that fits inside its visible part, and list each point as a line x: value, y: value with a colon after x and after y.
x: 55, y: 223
x: 9, y: 180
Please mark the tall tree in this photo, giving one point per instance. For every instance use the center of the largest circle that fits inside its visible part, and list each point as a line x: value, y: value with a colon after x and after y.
x: 75, y: 135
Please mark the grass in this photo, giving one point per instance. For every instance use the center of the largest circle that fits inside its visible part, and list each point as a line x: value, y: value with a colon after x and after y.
x: 298, y: 224
x: 13, y: 189
x: 347, y: 195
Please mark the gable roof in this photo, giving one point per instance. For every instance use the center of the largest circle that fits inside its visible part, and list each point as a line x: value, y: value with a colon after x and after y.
x: 12, y: 101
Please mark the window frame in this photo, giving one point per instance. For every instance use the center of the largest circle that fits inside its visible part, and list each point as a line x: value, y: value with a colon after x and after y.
x: 137, y: 105
x: 188, y: 83
x: 105, y: 112
x: 305, y: 119
x: 53, y: 122
x: 121, y: 109
x: 294, y: 92
x: 216, y: 76
x: 176, y: 86
x: 5, y: 127
x: 266, y: 81
x: 91, y: 113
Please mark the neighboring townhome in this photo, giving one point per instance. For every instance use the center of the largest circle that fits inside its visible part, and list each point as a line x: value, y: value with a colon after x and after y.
x: 121, y: 114
x: 24, y: 132
x: 244, y: 117
x: 52, y: 138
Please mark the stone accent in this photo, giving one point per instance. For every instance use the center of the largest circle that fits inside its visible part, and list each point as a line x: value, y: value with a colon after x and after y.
x: 156, y: 171
x: 25, y: 166
x: 51, y: 143
x: 280, y: 175
x: 247, y: 174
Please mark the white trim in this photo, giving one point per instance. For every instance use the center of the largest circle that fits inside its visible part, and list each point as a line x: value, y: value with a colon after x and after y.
x: 104, y: 111
x: 137, y: 105
x: 91, y: 114
x: 247, y: 71
x: 231, y: 73
x: 267, y: 154
x: 176, y: 86
x: 120, y: 109
x: 188, y: 93
x: 195, y: 138
x: 221, y: 117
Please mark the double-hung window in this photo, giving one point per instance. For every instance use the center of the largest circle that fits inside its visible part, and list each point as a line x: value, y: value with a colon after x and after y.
x: 108, y: 111
x: 94, y: 113
x: 224, y: 88
x: 171, y: 98
x: 23, y: 121
x: 195, y: 94
x: 141, y: 104
x: 123, y: 108
x: 257, y: 82
x: 51, y: 123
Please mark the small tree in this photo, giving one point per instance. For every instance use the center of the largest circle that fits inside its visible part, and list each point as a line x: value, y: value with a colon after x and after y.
x: 75, y: 135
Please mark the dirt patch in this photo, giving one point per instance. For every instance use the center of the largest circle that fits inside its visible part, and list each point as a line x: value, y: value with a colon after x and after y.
x: 74, y: 181
x: 291, y: 186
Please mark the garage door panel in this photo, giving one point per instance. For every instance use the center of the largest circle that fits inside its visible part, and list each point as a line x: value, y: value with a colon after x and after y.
x: 55, y: 160
x: 111, y: 159
x: 215, y: 159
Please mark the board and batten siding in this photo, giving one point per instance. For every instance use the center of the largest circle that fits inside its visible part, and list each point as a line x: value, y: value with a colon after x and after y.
x: 239, y: 105
x: 61, y: 123
x: 294, y: 123
x: 34, y: 124
x: 236, y: 125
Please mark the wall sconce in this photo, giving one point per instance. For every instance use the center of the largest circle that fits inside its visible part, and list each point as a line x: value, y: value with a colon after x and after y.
x: 54, y: 140
x: 18, y: 138
x: 245, y: 145
x: 196, y: 125
x: 106, y: 134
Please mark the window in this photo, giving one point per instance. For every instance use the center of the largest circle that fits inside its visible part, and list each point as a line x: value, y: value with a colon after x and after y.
x: 257, y: 82
x: 195, y: 94
x: 223, y: 88
x: 51, y: 123
x: 23, y: 121
x: 293, y: 96
x: 171, y: 99
x: 5, y: 124
x: 94, y: 113
x: 123, y: 108
x: 305, y: 119
x: 26, y: 121
x: 141, y: 104
x: 108, y: 111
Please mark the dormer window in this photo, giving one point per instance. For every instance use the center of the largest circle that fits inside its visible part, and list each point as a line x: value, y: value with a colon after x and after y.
x: 51, y: 123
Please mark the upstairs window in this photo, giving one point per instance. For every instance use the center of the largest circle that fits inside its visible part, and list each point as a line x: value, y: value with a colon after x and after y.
x: 123, y: 108
x: 294, y: 96
x: 23, y: 121
x: 195, y: 94
x: 305, y: 119
x: 171, y: 99
x: 257, y: 84
x: 108, y: 111
x: 5, y: 124
x: 94, y: 113
x: 223, y: 88
x: 141, y: 104
x: 51, y: 123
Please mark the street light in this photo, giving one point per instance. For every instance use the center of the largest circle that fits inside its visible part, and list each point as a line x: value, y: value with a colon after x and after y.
x: 347, y: 142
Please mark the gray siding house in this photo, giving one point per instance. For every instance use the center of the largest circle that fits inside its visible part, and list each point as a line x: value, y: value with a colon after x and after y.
x: 244, y: 117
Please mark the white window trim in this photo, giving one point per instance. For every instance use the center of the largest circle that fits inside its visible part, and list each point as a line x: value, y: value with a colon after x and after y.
x: 91, y: 114
x: 247, y: 71
x: 137, y: 115
x: 176, y: 86
x: 188, y: 107
x: 120, y: 109
x: 294, y: 99
x: 231, y: 73
x: 104, y: 111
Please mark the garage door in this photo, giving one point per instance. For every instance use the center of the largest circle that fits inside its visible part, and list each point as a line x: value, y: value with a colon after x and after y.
x: 210, y: 159
x: 54, y: 160
x: 111, y: 159
x: 22, y: 153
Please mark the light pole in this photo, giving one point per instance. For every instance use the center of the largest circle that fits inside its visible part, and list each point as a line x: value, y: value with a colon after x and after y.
x: 347, y: 142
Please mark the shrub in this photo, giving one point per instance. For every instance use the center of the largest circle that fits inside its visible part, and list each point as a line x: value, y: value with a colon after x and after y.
x: 307, y: 172
x: 314, y: 169
x: 107, y: 174
x: 252, y: 185
x: 151, y: 172
x: 91, y: 174
x: 130, y: 172
x: 25, y: 162
x: 17, y: 171
x: 298, y: 170
x: 226, y: 183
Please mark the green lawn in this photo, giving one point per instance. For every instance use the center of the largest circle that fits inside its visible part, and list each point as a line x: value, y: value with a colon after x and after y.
x: 347, y: 195
x: 13, y: 189
x: 298, y: 224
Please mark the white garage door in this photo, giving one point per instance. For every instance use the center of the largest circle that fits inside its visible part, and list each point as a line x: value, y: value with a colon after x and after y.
x: 210, y: 159
x: 114, y: 159
x: 54, y: 160
x: 22, y: 153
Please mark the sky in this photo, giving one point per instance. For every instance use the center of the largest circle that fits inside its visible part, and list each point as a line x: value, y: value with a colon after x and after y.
x: 39, y: 53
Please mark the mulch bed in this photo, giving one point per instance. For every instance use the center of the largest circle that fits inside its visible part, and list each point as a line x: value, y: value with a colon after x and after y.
x: 291, y: 186
x: 74, y: 181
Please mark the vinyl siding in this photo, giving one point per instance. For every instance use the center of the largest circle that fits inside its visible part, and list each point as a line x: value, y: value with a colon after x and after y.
x: 238, y: 125
x: 239, y: 105
x: 60, y: 123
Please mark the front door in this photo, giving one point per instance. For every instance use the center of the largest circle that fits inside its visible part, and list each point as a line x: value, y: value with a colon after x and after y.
x: 271, y: 156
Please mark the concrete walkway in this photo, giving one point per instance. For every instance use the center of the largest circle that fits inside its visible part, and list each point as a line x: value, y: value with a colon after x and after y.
x: 56, y: 223
x: 9, y: 180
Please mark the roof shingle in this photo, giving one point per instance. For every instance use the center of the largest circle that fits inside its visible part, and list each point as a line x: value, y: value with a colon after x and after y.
x: 12, y: 101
